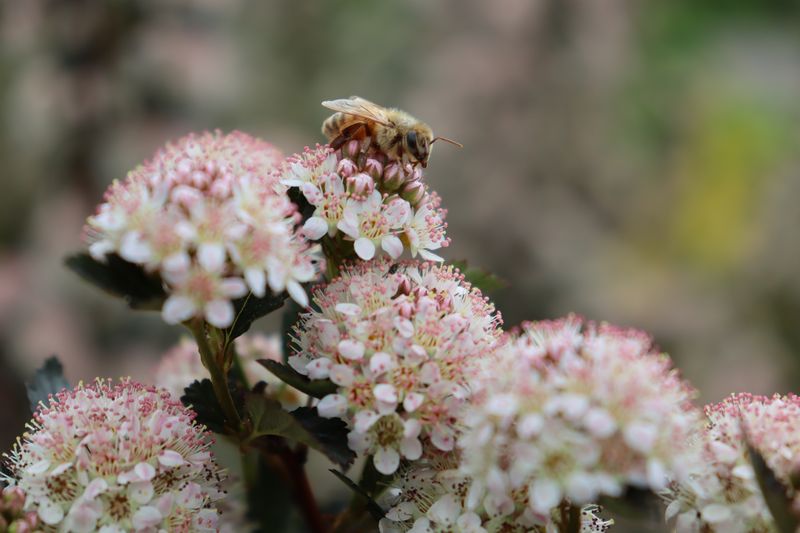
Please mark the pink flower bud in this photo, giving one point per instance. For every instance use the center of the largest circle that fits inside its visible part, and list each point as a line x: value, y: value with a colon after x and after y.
x: 413, y: 192
x: 374, y: 168
x: 360, y: 184
x: 393, y: 177
x: 352, y: 148
x: 346, y: 168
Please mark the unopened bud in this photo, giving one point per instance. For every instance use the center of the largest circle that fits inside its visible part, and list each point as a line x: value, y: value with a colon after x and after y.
x: 413, y: 192
x: 13, y: 500
x: 374, y: 168
x: 360, y: 184
x: 393, y: 177
x: 352, y: 148
x: 346, y: 168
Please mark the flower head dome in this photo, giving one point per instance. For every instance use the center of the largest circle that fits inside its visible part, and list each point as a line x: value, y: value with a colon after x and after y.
x: 718, y: 490
x: 205, y: 213
x: 432, y: 498
x: 568, y: 414
x: 401, y: 343
x: 113, y: 459
x: 368, y: 199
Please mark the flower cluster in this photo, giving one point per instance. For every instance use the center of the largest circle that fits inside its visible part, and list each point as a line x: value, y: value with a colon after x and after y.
x: 433, y: 499
x: 369, y: 199
x: 562, y: 413
x: 181, y: 366
x: 13, y: 516
x: 117, y: 459
x: 206, y: 215
x: 719, y: 491
x: 401, y: 342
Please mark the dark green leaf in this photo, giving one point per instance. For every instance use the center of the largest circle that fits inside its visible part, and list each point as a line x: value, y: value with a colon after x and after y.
x: 326, y: 435
x: 48, y: 380
x: 250, y: 308
x: 290, y: 317
x: 775, y: 494
x: 484, y: 280
x: 373, y: 482
x: 372, y: 507
x: 201, y: 398
x: 318, y: 388
x: 120, y: 278
x: 269, y: 504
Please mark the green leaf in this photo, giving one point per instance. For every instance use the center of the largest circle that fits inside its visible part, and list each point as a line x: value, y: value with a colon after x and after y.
x: 48, y: 380
x: 290, y: 317
x: 251, y: 308
x: 269, y: 504
x: 373, y: 482
x: 775, y: 494
x: 480, y: 278
x: 201, y: 398
x: 318, y: 388
x: 372, y: 507
x: 120, y: 278
x: 326, y: 435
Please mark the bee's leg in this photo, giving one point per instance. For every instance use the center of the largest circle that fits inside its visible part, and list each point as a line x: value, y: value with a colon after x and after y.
x: 346, y: 134
x: 362, y: 157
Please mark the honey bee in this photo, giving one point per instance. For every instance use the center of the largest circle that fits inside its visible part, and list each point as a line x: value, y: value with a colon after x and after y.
x: 395, y: 132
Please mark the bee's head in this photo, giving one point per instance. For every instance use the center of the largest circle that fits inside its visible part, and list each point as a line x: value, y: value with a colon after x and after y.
x: 418, y: 144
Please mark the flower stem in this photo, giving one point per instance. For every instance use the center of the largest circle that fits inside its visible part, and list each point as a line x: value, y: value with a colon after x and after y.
x: 214, y: 365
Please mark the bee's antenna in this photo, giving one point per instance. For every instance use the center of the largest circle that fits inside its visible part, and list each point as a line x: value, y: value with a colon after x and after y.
x: 448, y: 140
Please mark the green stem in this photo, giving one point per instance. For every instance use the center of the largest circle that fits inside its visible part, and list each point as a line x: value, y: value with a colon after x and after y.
x: 238, y: 367
x: 214, y: 366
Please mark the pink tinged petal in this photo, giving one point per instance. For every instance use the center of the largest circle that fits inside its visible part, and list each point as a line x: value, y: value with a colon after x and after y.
x: 455, y: 322
x: 141, y: 491
x: 211, y: 256
x: 134, y: 248
x: 386, y: 460
x: 298, y: 364
x: 50, y: 513
x: 350, y: 349
x: 297, y: 293
x: 429, y: 373
x: 404, y: 326
x: 385, y: 408
x: 342, y: 375
x: 724, y: 453
x: 530, y: 426
x: 716, y: 512
x: 234, y: 287
x: 392, y: 246
x: 205, y: 520
x: 412, y: 428
x: 443, y: 441
x: 413, y: 238
x: 544, y: 494
x: 474, y: 495
x: 318, y: 368
x: 445, y: 511
x: 349, y: 225
x: 421, y: 525
x: 358, y: 442
x: 256, y: 279
x: 469, y: 523
x: 100, y: 249
x: 177, y: 264
x: 177, y: 309
x: 145, y: 471
x: 503, y: 405
x: 412, y: 401
x: 744, y: 472
x: 411, y: 448
x: 170, y: 458
x: 349, y: 309
x: 38, y: 468
x: 127, y: 477
x: 386, y: 393
x: 60, y: 469
x: 380, y: 363
x: 94, y: 488
x: 600, y: 423
x: 656, y: 475
x: 640, y: 437
x: 332, y: 405
x: 219, y: 313
x: 315, y: 228
x: 498, y: 505
x: 428, y: 256
x: 146, y: 517
x: 364, y: 248
x: 165, y: 502
x: 363, y: 420
x: 400, y: 512
x: 416, y: 355
x: 191, y: 496
x: 83, y: 516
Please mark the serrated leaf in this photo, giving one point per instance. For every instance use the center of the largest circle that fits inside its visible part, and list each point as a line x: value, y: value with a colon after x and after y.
x: 326, y: 435
x: 48, y: 380
x: 375, y: 510
x: 120, y: 278
x: 318, y: 388
x: 775, y: 494
x: 269, y: 504
x: 250, y: 308
x: 201, y: 398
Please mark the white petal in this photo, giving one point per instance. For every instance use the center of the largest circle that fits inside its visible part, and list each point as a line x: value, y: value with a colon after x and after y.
x: 219, y: 313
x: 170, y: 458
x: 412, y: 401
x: 392, y: 246
x: 177, y: 308
x: 145, y: 471
x: 348, y: 309
x: 111, y: 528
x: 319, y: 368
x: 445, y: 511
x: 315, y: 228
x: 364, y: 248
x: 411, y: 448
x: 234, y: 287
x: 428, y: 256
x: 640, y: 437
x: 544, y: 495
x: 385, y: 393
x: 350, y: 349
x: 404, y: 326
x: 211, y: 256
x: 297, y: 293
x: 146, y: 517
x: 716, y: 512
x: 365, y: 419
x: 386, y: 460
x: 600, y: 423
x: 256, y: 279
x: 381, y: 362
x: 332, y: 405
x: 134, y: 248
x: 656, y: 475
x: 141, y: 491
x: 342, y: 375
x: 50, y: 513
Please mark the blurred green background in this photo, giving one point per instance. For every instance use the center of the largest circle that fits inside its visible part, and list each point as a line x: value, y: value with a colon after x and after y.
x: 633, y: 161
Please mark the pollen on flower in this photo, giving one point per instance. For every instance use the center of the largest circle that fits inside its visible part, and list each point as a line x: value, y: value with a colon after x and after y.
x: 122, y: 457
x: 561, y: 413
x: 378, y: 203
x: 717, y: 489
x: 209, y: 216
x: 402, y: 342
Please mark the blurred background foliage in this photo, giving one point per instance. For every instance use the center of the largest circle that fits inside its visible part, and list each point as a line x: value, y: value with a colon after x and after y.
x: 633, y: 161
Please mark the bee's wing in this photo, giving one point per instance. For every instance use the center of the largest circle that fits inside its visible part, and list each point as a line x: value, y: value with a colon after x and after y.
x: 358, y: 107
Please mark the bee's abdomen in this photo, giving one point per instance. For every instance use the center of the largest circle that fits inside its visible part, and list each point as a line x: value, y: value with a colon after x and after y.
x: 332, y: 127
